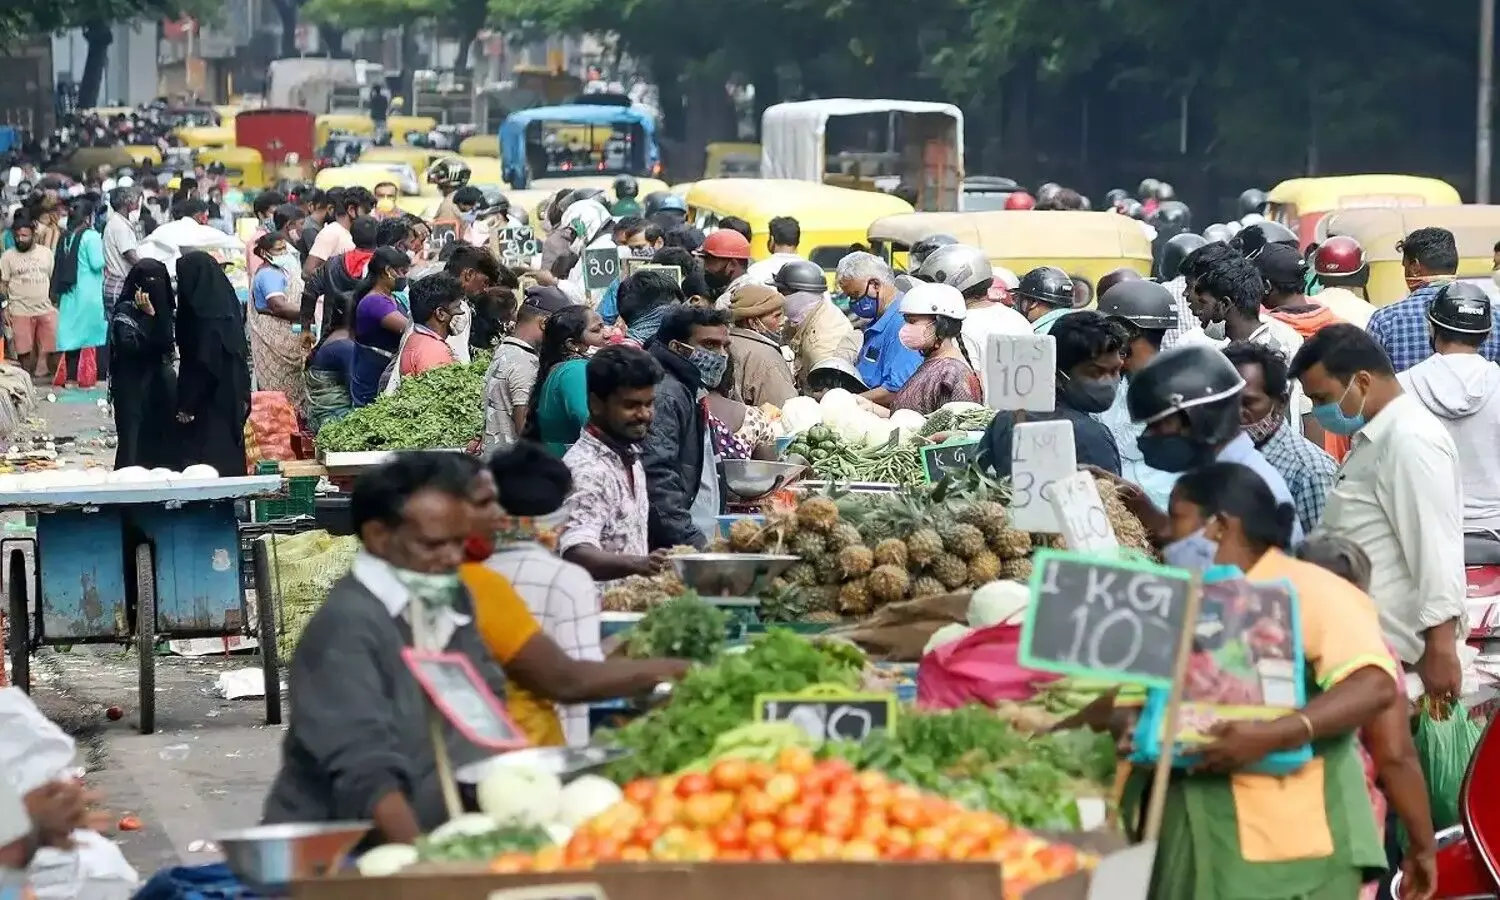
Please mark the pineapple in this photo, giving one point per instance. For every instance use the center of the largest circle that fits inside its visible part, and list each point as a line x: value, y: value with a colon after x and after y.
x: 1055, y: 541
x: 719, y: 545
x: 891, y: 552
x: 1013, y: 544
x: 1128, y: 529
x: 927, y: 586
x: 988, y: 516
x: 844, y: 535
x: 963, y: 541
x: 1018, y: 569
x: 823, y: 617
x: 951, y: 571
x: 667, y: 583
x: 854, y: 598
x: 746, y: 536
x: 888, y: 584
x: 829, y: 570
x: 825, y: 597
x: 803, y: 574
x: 784, y: 602
x: 984, y: 568
x: 808, y: 545
x: 819, y: 514
x: 856, y: 560
x: 924, y: 546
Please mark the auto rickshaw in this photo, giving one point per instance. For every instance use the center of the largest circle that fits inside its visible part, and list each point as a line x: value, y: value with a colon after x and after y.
x: 832, y: 218
x: 1090, y: 244
x: 1475, y: 230
x: 486, y: 145
x: 1301, y: 203
x: 400, y: 126
x: 605, y: 183
x: 1468, y: 854
x: 419, y: 158
x: 416, y: 197
x: 283, y: 137
x: 349, y: 123
x: 484, y: 171
x: 87, y: 159
x: 144, y: 154
x: 202, y: 137
x: 243, y: 166
x: 727, y: 159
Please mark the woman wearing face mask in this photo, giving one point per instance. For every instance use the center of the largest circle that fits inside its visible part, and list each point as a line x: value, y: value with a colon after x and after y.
x: 78, y: 286
x: 934, y: 321
x: 377, y: 322
x: 560, y: 402
x: 275, y: 344
x: 1311, y: 833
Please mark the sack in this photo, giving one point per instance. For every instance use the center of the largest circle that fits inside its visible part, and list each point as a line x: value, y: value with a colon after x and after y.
x: 269, y: 428
x: 1444, y: 747
x: 981, y: 667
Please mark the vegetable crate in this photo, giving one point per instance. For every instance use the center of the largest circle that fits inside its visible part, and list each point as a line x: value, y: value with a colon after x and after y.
x: 301, y: 491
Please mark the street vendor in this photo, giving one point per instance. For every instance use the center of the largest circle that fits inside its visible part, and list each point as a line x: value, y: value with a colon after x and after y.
x: 358, y: 745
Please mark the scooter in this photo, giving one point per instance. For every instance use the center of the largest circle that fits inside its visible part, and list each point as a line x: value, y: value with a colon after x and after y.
x: 1468, y: 855
x: 1482, y: 574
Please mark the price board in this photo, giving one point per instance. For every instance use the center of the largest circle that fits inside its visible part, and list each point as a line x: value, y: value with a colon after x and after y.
x: 633, y: 266
x: 1020, y: 372
x: 843, y: 717
x: 601, y: 266
x: 1042, y: 453
x: 516, y: 245
x: 1105, y: 617
x: 951, y: 456
x: 1081, y: 516
x: 460, y: 694
x: 443, y: 233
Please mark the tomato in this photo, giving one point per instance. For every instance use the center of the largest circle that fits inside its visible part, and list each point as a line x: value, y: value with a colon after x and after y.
x: 760, y: 772
x: 795, y: 760
x: 843, y: 807
x: 757, y: 804
x: 608, y: 850
x: 840, y: 827
x: 664, y: 810
x: 694, y: 783
x: 835, y: 768
x: 789, y: 839
x: 729, y: 834
x: 828, y: 846
x: 782, y: 789
x: 875, y: 799
x: 896, y: 843
x: 730, y: 774
x: 860, y: 851
x: 765, y: 853
x: 796, y: 816
x: 640, y: 791
x: 803, y: 854
x: 633, y: 853
x: 737, y: 854
x: 963, y: 846
x: 908, y: 815
x: 870, y: 780
x: 509, y: 863
x: 931, y: 837
x: 548, y: 859
x: 581, y: 845
x: 705, y: 810
x: 760, y: 832
x: 646, y: 833
x: 871, y: 827
x: 929, y: 853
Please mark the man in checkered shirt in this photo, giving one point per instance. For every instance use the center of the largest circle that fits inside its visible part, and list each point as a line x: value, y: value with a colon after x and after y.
x: 1430, y: 258
x: 1193, y: 265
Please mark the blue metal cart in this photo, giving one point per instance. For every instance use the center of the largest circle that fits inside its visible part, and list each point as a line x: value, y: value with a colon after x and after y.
x: 131, y: 563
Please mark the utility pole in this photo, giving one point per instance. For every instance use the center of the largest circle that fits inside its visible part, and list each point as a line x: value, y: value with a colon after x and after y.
x: 1486, y: 92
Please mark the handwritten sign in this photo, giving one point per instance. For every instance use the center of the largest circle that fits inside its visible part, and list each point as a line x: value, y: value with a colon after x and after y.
x: 1020, y: 372
x: 845, y: 717
x: 443, y: 233
x: 601, y: 266
x: 1105, y: 618
x: 1081, y: 516
x: 1042, y: 453
x: 517, y: 246
x: 633, y: 266
x: 952, y: 456
x: 455, y: 688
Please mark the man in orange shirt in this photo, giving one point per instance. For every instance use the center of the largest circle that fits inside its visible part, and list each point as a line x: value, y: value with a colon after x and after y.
x: 436, y: 301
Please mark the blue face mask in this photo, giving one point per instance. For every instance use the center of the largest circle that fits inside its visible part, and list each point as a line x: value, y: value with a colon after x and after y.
x: 1194, y: 552
x: 1333, y: 418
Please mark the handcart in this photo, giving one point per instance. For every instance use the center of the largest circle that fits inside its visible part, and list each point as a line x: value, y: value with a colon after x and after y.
x: 131, y: 563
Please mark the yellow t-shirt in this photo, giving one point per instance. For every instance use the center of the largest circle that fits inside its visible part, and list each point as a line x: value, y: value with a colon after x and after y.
x: 506, y: 625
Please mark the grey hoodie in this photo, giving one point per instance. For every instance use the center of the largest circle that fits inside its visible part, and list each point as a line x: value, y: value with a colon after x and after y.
x: 1463, y: 390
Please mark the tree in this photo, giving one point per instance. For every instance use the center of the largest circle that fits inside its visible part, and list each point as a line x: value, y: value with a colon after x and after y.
x: 462, y: 18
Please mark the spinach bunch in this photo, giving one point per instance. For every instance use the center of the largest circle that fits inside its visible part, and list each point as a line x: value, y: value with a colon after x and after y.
x: 440, y: 409
x: 682, y: 628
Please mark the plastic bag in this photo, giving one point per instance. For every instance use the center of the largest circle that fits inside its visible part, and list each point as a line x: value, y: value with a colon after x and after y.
x: 982, y: 667
x: 1444, y: 747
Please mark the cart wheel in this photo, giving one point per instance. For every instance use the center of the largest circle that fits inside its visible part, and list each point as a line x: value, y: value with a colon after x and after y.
x: 145, y: 634
x: 19, y: 619
x: 265, y: 601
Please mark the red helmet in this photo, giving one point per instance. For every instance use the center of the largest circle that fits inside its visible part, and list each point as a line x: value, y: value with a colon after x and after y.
x: 1020, y: 200
x: 1339, y: 255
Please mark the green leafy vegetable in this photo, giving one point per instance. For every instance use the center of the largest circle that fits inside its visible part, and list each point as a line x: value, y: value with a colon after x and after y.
x: 440, y: 409
x: 682, y: 628
x: 484, y: 847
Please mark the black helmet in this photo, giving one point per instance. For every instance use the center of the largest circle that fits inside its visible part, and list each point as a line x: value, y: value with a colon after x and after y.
x: 1116, y: 196
x: 1115, y: 276
x: 1047, y: 284
x: 1461, y: 307
x: 651, y: 203
x: 1172, y: 215
x: 1195, y: 380
x: 1176, y: 250
x: 921, y: 249
x: 1252, y: 200
x: 1147, y: 189
x: 1251, y: 238
x: 625, y: 186
x: 800, y: 275
x: 1144, y: 304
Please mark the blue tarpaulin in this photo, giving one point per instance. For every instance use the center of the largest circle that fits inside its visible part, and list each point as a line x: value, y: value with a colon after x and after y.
x: 10, y: 138
x: 513, y: 133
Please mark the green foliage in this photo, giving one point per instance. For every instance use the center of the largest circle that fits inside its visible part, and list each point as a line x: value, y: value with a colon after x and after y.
x: 682, y: 628
x: 28, y: 17
x: 440, y: 409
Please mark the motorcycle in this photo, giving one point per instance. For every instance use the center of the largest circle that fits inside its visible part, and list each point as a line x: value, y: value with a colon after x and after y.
x: 1482, y: 577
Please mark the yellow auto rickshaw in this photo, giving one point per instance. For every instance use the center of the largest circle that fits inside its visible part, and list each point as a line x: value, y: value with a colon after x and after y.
x: 1475, y: 230
x: 89, y: 159
x: 487, y: 145
x: 1090, y: 244
x: 832, y: 218
x: 605, y: 183
x: 243, y: 166
x: 419, y: 158
x: 531, y: 201
x: 400, y: 126
x: 727, y: 159
x: 144, y: 154
x: 205, y: 136
x: 348, y: 123
x: 1301, y: 203
x: 368, y: 175
x: 484, y: 171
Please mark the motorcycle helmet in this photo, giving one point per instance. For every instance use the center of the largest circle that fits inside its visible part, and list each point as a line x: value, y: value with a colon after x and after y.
x: 800, y: 276
x: 1116, y: 276
x: 1249, y: 219
x: 1047, y: 284
x: 1171, y: 215
x: 934, y: 300
x: 1133, y: 209
x: 1165, y: 192
x: 1020, y: 200
x: 1195, y: 380
x: 1253, y: 200
x: 1461, y: 307
x: 651, y: 203
x: 1144, y: 304
x: 448, y: 172
x: 1147, y: 189
x: 1048, y: 191
x: 1338, y: 256
x: 671, y: 203
x: 959, y: 266
x: 924, y: 248
x: 1253, y: 237
x: 1176, y: 249
x: 1116, y: 196
x: 625, y: 187
x: 1216, y: 232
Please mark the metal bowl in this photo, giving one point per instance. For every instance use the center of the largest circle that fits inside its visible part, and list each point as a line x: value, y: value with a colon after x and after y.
x: 564, y: 762
x: 751, y: 479
x: 268, y: 858
x: 730, y: 574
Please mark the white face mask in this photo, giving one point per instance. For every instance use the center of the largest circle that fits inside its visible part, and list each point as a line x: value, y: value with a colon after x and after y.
x: 134, y: 215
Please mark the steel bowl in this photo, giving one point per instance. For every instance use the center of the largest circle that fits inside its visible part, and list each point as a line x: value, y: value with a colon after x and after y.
x: 268, y: 858
x: 730, y: 574
x: 564, y: 762
x: 751, y: 479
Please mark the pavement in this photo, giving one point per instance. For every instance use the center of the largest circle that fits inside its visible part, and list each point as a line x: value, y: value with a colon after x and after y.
x: 209, y: 763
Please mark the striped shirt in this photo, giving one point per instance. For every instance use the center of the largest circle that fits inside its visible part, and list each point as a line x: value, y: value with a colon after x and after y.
x: 1307, y: 470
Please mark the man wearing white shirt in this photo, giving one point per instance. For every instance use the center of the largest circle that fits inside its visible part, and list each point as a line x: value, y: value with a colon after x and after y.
x: 1398, y: 495
x: 786, y: 235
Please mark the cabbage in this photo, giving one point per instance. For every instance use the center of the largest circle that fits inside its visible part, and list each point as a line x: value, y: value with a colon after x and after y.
x: 586, y: 797
x: 387, y: 859
x: 520, y: 795
x: 999, y: 602
x: 466, y: 825
x: 946, y: 635
x: 800, y: 414
x: 908, y: 422
x: 559, y: 835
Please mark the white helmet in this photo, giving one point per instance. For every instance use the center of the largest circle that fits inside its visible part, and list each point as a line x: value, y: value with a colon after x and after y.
x: 1251, y: 218
x: 926, y: 299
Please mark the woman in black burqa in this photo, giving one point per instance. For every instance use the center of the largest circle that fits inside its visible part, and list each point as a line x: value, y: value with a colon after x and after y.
x: 213, y: 375
x: 142, y: 385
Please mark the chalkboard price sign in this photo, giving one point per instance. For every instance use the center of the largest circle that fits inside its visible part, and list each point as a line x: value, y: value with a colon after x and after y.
x: 846, y: 717
x: 1105, y: 618
x: 455, y: 688
x: 952, y: 456
x: 517, y: 246
x: 444, y: 232
x: 601, y: 266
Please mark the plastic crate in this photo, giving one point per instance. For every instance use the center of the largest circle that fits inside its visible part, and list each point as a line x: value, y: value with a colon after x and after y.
x: 301, y: 492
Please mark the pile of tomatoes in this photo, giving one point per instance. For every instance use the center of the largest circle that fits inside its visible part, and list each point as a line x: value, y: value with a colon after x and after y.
x: 798, y: 809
